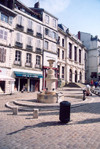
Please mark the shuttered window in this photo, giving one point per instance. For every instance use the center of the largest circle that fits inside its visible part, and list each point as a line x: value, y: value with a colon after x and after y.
x: 2, y: 55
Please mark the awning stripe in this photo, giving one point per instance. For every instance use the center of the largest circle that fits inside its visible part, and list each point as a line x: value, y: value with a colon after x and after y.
x: 28, y: 75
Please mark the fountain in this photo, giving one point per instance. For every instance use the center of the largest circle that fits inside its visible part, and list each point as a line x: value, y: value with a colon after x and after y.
x: 50, y: 95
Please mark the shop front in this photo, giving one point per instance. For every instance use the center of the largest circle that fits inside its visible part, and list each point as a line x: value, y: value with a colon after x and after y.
x: 25, y: 81
x: 6, y: 82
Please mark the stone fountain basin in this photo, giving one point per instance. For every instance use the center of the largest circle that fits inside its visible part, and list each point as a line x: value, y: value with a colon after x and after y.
x: 47, y: 98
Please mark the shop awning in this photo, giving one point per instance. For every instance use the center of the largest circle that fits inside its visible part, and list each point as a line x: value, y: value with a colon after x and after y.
x: 6, y: 78
x: 28, y: 75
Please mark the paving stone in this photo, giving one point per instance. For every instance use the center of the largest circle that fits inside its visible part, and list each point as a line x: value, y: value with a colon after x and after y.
x: 46, y: 132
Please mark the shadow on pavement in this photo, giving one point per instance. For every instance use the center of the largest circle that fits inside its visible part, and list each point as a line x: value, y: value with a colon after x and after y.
x: 87, y: 108
x: 42, y: 124
x: 87, y: 121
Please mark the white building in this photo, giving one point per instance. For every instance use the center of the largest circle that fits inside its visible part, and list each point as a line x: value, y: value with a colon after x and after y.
x: 6, y: 29
x: 25, y: 39
x: 71, y: 57
x: 93, y: 55
x: 50, y: 35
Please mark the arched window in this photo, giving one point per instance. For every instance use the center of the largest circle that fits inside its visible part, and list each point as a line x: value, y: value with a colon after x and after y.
x: 80, y: 76
x: 75, y: 76
x: 70, y: 75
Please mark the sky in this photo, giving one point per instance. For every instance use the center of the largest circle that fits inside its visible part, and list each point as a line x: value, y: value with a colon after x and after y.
x: 77, y: 15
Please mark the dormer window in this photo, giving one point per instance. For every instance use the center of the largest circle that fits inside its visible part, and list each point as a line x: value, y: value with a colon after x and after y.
x: 20, y: 20
x: 47, y: 19
x: 4, y: 18
x: 54, y: 23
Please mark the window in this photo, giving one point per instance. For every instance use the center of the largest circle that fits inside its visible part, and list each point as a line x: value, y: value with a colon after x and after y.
x: 38, y: 43
x: 94, y: 74
x: 19, y: 37
x: 46, y: 45
x: 46, y: 31
x: 17, y: 57
x: 62, y: 72
x: 47, y: 19
x: 29, y: 41
x: 75, y: 53
x: 80, y: 76
x: 70, y: 75
x: 20, y: 20
x: 30, y: 24
x: 4, y: 18
x: 54, y: 23
x: 62, y: 54
x: 58, y: 71
x: 54, y: 35
x: 10, y: 20
x: 70, y: 50
x: 38, y: 58
x: 58, y: 53
x: 79, y: 56
x: 3, y: 34
x: 99, y: 53
x: 39, y: 28
x: 58, y: 42
x: 50, y: 34
x: 2, y: 55
x: 28, y: 58
x: 99, y: 60
x: 62, y: 42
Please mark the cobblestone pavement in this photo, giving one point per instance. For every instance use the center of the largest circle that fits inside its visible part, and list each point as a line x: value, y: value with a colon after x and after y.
x: 46, y: 132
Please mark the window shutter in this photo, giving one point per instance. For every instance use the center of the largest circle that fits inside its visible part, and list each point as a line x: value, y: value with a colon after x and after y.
x: 0, y: 55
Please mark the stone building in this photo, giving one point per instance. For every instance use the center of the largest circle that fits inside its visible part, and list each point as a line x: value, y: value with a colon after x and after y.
x: 93, y: 55
x: 28, y: 39
x: 6, y: 29
x: 26, y: 46
x: 71, y: 57
x: 50, y: 23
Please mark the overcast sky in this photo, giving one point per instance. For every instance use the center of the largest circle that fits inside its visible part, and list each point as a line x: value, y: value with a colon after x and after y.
x: 77, y: 15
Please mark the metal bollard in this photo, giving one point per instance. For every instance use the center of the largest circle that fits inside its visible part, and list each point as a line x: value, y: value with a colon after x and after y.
x: 64, y: 114
x: 35, y: 113
x: 84, y: 92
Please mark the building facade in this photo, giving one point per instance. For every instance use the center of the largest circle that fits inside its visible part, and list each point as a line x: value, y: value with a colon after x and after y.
x: 29, y: 37
x: 50, y: 35
x: 26, y: 47
x: 93, y: 55
x: 71, y: 57
x: 6, y: 29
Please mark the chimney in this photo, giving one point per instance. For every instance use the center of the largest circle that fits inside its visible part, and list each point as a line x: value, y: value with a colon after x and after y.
x: 11, y: 4
x: 37, y: 5
x: 79, y: 35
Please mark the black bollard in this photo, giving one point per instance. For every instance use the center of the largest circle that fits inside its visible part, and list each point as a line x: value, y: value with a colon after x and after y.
x: 64, y: 114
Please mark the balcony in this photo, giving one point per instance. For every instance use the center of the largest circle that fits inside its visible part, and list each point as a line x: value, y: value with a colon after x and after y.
x: 38, y: 66
x: 20, y: 28
x: 29, y: 47
x: 39, y: 35
x: 28, y: 64
x: 17, y: 63
x: 38, y: 51
x: 30, y: 31
x: 18, y: 44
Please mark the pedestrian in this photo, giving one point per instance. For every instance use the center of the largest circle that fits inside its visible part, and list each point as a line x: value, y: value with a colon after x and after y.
x: 91, y: 83
x: 96, y: 84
